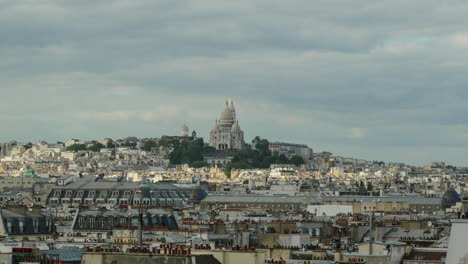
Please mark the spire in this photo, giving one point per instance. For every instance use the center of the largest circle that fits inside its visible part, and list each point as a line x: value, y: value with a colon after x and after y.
x: 227, y: 103
x: 233, y: 110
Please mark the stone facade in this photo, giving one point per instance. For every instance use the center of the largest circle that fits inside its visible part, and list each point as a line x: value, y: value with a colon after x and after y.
x: 226, y: 133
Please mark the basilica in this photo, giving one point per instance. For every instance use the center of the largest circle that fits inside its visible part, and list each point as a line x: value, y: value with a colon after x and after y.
x: 226, y: 133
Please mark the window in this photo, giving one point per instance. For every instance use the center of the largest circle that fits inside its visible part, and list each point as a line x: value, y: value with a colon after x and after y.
x: 103, y: 194
x: 69, y: 193
x: 102, y: 222
x: 80, y: 193
x: 57, y: 193
x: 36, y: 225
x: 115, y: 194
x: 92, y: 220
x: 81, y: 222
x: 49, y: 224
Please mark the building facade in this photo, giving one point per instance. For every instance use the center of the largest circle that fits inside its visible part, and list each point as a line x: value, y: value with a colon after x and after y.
x: 290, y: 149
x: 227, y: 134
x: 125, y: 193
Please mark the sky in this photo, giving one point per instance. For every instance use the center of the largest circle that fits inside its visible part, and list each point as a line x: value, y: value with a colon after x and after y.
x: 378, y: 80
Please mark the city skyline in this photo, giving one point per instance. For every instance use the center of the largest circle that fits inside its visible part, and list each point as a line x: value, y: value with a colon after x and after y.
x: 357, y: 82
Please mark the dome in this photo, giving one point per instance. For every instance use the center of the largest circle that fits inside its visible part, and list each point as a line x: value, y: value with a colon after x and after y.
x: 449, y: 198
x: 197, y: 195
x: 227, y: 115
x: 184, y: 131
x: 235, y: 127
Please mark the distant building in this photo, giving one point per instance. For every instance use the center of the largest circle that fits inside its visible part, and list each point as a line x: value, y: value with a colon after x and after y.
x: 227, y: 134
x: 124, y: 193
x: 184, y: 131
x: 103, y: 220
x: 290, y: 149
x: 18, y: 221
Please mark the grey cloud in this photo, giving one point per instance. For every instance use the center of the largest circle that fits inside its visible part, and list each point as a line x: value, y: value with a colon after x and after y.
x: 300, y: 71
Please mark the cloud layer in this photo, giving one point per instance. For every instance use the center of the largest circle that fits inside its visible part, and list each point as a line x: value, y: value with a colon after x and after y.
x: 378, y: 80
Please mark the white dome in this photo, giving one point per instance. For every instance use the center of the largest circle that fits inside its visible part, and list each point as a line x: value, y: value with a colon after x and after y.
x: 235, y: 127
x: 227, y: 117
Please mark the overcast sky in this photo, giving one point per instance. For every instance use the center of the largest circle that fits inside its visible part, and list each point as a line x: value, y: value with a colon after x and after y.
x: 380, y: 80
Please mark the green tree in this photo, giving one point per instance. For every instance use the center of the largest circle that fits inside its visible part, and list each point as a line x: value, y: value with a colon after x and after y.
x: 187, y: 152
x: 76, y: 147
x: 198, y: 164
x: 297, y: 160
x: 149, y: 145
x: 28, y: 145
x: 282, y: 159
x: 96, y: 147
x: 361, y: 185
x: 110, y: 144
x: 263, y: 145
x: 370, y: 187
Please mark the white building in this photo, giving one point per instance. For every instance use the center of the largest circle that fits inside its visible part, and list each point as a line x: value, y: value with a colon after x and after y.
x: 457, y: 248
x: 226, y: 133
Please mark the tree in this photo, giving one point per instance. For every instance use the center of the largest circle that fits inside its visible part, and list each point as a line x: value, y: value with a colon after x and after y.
x: 282, y: 159
x: 198, y: 164
x: 361, y: 185
x: 149, y: 145
x: 96, y: 147
x: 263, y: 145
x: 297, y: 160
x: 187, y: 152
x: 369, y: 186
x: 110, y: 144
x: 76, y: 147
x: 28, y: 145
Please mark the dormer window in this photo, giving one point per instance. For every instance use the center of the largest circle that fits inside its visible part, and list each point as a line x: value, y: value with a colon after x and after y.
x: 81, y: 222
x: 115, y: 194
x: 49, y: 224
x: 69, y: 193
x: 91, y: 194
x: 57, y: 193
x: 102, y: 222
x: 92, y: 220
x: 36, y: 225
